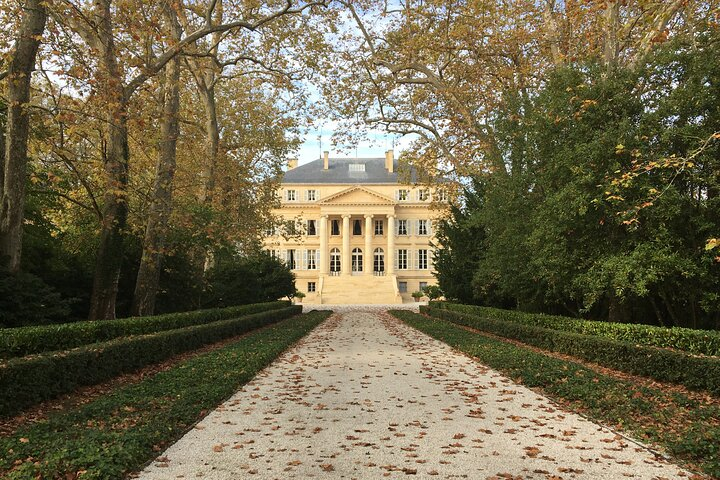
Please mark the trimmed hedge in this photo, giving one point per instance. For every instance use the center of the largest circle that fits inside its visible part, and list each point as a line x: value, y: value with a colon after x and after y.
x: 682, y: 426
x: 701, y: 342
x: 29, y: 380
x: 17, y: 342
x: 696, y: 373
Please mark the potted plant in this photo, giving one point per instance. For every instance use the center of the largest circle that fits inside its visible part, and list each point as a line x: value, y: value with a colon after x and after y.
x: 299, y: 296
x: 417, y: 295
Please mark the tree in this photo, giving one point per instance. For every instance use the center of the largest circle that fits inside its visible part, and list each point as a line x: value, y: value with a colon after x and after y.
x: 13, y: 170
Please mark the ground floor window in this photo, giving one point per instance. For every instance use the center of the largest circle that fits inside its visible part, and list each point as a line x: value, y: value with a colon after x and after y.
x: 357, y: 260
x: 334, y: 260
x: 423, y: 286
x: 402, y: 259
x: 290, y: 259
x: 402, y: 287
x: 379, y: 260
x: 311, y: 259
x: 311, y: 287
x: 422, y: 259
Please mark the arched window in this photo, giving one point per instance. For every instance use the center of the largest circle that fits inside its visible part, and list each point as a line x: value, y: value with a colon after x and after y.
x: 335, y: 260
x: 379, y: 261
x: 357, y: 260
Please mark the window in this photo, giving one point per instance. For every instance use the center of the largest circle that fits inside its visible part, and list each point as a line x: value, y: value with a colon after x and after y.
x: 442, y: 196
x: 356, y: 167
x: 422, y: 263
x: 423, y: 286
x: 334, y: 261
x: 290, y: 259
x: 311, y: 287
x: 402, y: 287
x: 275, y: 254
x: 423, y: 195
x: 357, y: 227
x: 269, y: 231
x: 311, y: 195
x: 402, y: 259
x: 335, y: 227
x: 379, y: 225
x: 379, y: 261
x: 402, y: 195
x: 311, y: 258
x: 357, y: 260
x: 402, y: 227
x: 422, y: 227
x: 311, y: 227
x: 291, y: 195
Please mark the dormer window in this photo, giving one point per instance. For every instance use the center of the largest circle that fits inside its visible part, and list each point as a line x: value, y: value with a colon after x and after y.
x: 356, y: 167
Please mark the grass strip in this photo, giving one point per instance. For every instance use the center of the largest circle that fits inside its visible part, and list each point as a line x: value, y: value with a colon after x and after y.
x: 694, y: 372
x: 118, y: 433
x: 21, y: 341
x: 686, y: 428
x: 700, y: 342
x: 28, y: 380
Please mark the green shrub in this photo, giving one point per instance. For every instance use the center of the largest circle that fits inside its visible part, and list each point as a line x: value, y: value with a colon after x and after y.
x: 702, y: 342
x: 16, y: 342
x: 683, y: 426
x: 26, y: 300
x: 119, y: 432
x: 696, y: 373
x: 29, y: 380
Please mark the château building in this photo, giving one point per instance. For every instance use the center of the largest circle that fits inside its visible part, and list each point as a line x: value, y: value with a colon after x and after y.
x: 353, y: 233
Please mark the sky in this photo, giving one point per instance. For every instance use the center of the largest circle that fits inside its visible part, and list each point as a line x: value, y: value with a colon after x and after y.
x: 375, y: 146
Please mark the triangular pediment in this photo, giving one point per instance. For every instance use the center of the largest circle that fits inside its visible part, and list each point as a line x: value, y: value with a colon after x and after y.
x: 357, y: 195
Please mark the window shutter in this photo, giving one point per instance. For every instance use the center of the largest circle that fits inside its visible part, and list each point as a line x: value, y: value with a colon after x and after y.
x: 429, y: 227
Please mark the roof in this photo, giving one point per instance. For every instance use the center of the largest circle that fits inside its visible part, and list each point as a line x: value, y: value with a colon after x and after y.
x: 339, y: 172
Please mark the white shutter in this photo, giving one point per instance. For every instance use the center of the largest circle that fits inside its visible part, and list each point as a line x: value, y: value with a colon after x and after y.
x: 429, y: 227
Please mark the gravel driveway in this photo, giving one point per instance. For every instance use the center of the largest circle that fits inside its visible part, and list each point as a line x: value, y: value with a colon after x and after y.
x: 365, y: 397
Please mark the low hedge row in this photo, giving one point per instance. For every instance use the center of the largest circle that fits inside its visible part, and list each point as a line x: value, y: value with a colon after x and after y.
x: 696, y: 373
x: 700, y: 342
x: 17, y: 342
x: 684, y: 427
x: 29, y: 380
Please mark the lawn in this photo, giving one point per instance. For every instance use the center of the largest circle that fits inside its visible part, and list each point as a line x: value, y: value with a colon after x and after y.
x: 686, y: 427
x: 118, y: 433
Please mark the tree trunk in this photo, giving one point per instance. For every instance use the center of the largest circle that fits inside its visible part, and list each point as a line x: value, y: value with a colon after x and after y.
x: 212, y: 143
x: 611, y: 49
x: 617, y: 310
x: 148, y: 277
x: 110, y: 251
x: 14, y: 167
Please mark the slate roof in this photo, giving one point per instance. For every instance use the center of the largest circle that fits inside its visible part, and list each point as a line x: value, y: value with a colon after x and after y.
x: 339, y: 172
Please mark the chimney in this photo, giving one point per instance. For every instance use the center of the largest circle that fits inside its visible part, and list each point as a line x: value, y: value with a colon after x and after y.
x: 326, y: 160
x: 292, y: 163
x: 389, y: 161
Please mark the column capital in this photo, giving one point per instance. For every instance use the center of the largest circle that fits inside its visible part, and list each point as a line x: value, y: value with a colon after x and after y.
x: 369, y: 215
x: 391, y: 215
x: 346, y: 215
x: 324, y: 215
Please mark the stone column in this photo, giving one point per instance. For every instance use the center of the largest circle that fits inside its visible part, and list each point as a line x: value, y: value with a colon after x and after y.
x: 390, y: 253
x: 324, y: 252
x: 345, y: 267
x: 368, y: 257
